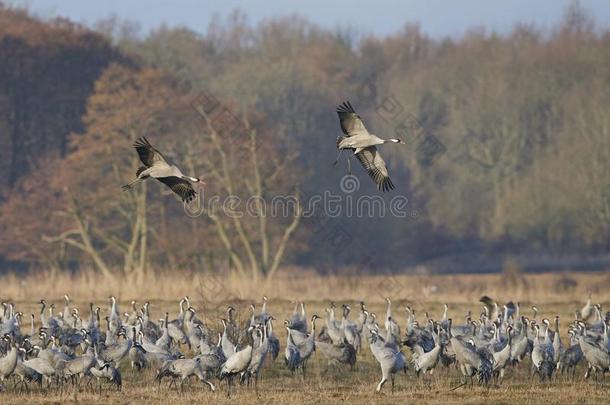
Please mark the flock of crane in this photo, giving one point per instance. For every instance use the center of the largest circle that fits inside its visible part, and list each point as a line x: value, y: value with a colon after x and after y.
x: 356, y: 138
x: 68, y: 349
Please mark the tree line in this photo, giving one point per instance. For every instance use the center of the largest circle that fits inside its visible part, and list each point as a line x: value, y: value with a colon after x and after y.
x: 508, y: 143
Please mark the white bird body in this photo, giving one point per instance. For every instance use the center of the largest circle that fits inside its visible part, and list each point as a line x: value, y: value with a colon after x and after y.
x: 237, y: 363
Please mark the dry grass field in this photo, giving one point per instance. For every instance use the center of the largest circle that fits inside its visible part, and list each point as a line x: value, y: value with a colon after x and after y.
x: 551, y: 293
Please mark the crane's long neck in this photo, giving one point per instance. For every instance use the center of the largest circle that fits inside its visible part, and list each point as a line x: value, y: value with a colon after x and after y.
x: 252, y: 317
x: 388, y: 311
x: 182, y: 308
x: 264, y: 308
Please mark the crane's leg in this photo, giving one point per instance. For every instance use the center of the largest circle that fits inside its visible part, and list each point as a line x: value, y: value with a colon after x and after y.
x: 16, y: 384
x: 349, y: 165
x: 212, y: 388
x: 380, y: 385
x: 132, y: 184
x: 338, y: 156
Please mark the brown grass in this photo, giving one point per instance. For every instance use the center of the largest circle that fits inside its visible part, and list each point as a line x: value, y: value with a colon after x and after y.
x: 323, y: 384
x: 298, y: 284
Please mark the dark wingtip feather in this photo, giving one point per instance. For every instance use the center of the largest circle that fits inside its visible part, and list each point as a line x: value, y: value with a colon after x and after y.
x: 141, y: 142
x: 386, y: 185
x: 345, y: 107
x: 190, y: 196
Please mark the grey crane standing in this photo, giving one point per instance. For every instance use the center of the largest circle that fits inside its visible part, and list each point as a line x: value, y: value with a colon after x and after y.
x: 337, y: 354
x: 390, y: 359
x: 502, y: 357
x: 258, y: 356
x: 470, y: 359
x: 9, y: 361
x: 292, y: 354
x: 598, y: 359
x: 304, y: 343
x: 25, y: 373
x: 274, y: 342
x: 184, y: 369
x: 542, y: 356
x: 424, y: 362
x: 117, y: 352
x: 79, y: 366
x: 351, y: 331
x: 236, y: 364
x: 42, y: 366
x: 106, y: 371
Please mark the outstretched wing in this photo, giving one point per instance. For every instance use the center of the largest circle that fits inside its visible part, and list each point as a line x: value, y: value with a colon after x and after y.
x: 179, y: 186
x: 351, y: 123
x: 375, y: 166
x: 148, y: 155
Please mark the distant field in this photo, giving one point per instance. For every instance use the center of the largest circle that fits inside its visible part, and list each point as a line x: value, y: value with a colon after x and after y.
x: 324, y: 384
x: 298, y: 284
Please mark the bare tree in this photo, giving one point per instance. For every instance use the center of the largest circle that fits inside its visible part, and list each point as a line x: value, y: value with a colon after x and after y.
x: 243, y: 166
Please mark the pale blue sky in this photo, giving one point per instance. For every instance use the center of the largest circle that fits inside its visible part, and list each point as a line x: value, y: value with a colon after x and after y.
x: 437, y: 18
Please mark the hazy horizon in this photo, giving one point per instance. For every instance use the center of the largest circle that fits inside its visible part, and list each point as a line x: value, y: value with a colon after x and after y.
x: 382, y: 17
